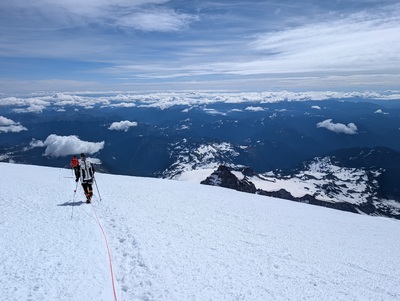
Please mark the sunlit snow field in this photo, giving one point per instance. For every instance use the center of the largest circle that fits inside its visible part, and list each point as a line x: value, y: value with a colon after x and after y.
x: 173, y: 240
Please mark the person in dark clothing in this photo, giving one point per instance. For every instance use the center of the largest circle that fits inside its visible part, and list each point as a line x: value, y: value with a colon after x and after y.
x: 86, y: 174
x: 75, y: 166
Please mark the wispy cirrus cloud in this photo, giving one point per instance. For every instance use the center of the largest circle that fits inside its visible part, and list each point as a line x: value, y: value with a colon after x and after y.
x: 349, y: 43
x: 164, y: 20
x: 358, y: 42
x: 161, y: 44
x: 123, y: 14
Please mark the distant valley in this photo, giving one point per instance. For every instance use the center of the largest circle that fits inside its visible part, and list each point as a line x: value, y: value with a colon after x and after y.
x: 170, y: 137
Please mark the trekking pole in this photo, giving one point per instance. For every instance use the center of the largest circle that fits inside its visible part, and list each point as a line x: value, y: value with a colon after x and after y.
x: 95, y: 182
x: 73, y: 200
x: 76, y: 187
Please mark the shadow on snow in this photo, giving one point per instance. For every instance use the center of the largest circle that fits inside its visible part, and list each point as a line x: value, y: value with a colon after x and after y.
x: 72, y: 203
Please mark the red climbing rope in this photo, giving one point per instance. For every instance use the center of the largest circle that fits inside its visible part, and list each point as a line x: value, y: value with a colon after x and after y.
x: 108, y: 251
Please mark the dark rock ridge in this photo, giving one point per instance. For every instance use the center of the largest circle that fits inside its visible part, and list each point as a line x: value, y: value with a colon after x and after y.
x: 223, y: 177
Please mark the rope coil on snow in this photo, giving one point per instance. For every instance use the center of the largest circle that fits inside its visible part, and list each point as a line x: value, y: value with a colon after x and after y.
x: 108, y: 251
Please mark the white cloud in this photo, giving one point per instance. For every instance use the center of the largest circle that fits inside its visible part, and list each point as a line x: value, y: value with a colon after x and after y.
x: 33, y: 108
x: 339, y: 128
x: 12, y: 101
x: 6, y: 121
x: 61, y: 146
x: 10, y: 126
x: 32, y: 105
x: 254, y: 109
x: 213, y: 112
x: 323, y: 50
x: 365, y: 41
x: 379, y: 111
x: 163, y: 100
x: 123, y: 105
x: 146, y: 15
x: 13, y: 128
x: 316, y: 107
x: 122, y: 125
x: 36, y: 143
x: 94, y: 160
x: 156, y: 20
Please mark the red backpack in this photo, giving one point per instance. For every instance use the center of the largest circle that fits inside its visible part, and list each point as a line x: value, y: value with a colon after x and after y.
x: 74, y: 162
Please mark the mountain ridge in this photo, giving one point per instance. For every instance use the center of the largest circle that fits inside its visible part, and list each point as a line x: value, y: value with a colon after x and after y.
x: 359, y: 187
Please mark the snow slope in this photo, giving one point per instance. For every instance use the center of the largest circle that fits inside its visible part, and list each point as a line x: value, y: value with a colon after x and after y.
x: 172, y: 240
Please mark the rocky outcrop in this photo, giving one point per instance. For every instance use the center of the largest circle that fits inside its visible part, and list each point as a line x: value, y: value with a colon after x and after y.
x: 309, y: 199
x: 223, y: 177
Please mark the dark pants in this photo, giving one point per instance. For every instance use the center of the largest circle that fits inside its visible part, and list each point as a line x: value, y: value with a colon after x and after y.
x: 76, y: 171
x: 87, y: 187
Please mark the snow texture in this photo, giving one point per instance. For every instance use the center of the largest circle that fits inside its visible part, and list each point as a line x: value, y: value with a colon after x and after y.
x: 172, y: 240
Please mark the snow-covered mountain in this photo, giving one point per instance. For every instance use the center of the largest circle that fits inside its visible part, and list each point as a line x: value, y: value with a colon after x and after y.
x: 360, y: 180
x: 189, y: 157
x: 172, y: 240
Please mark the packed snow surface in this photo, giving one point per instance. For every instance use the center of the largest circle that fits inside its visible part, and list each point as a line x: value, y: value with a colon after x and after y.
x: 172, y: 240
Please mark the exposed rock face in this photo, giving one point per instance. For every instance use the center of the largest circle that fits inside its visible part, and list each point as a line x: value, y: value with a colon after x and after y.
x: 309, y: 199
x: 332, y: 194
x: 223, y: 177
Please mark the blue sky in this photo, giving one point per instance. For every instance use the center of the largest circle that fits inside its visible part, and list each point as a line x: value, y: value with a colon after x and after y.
x: 159, y: 45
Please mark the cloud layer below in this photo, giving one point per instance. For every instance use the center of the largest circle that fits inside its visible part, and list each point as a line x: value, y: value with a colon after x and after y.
x: 89, y: 100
